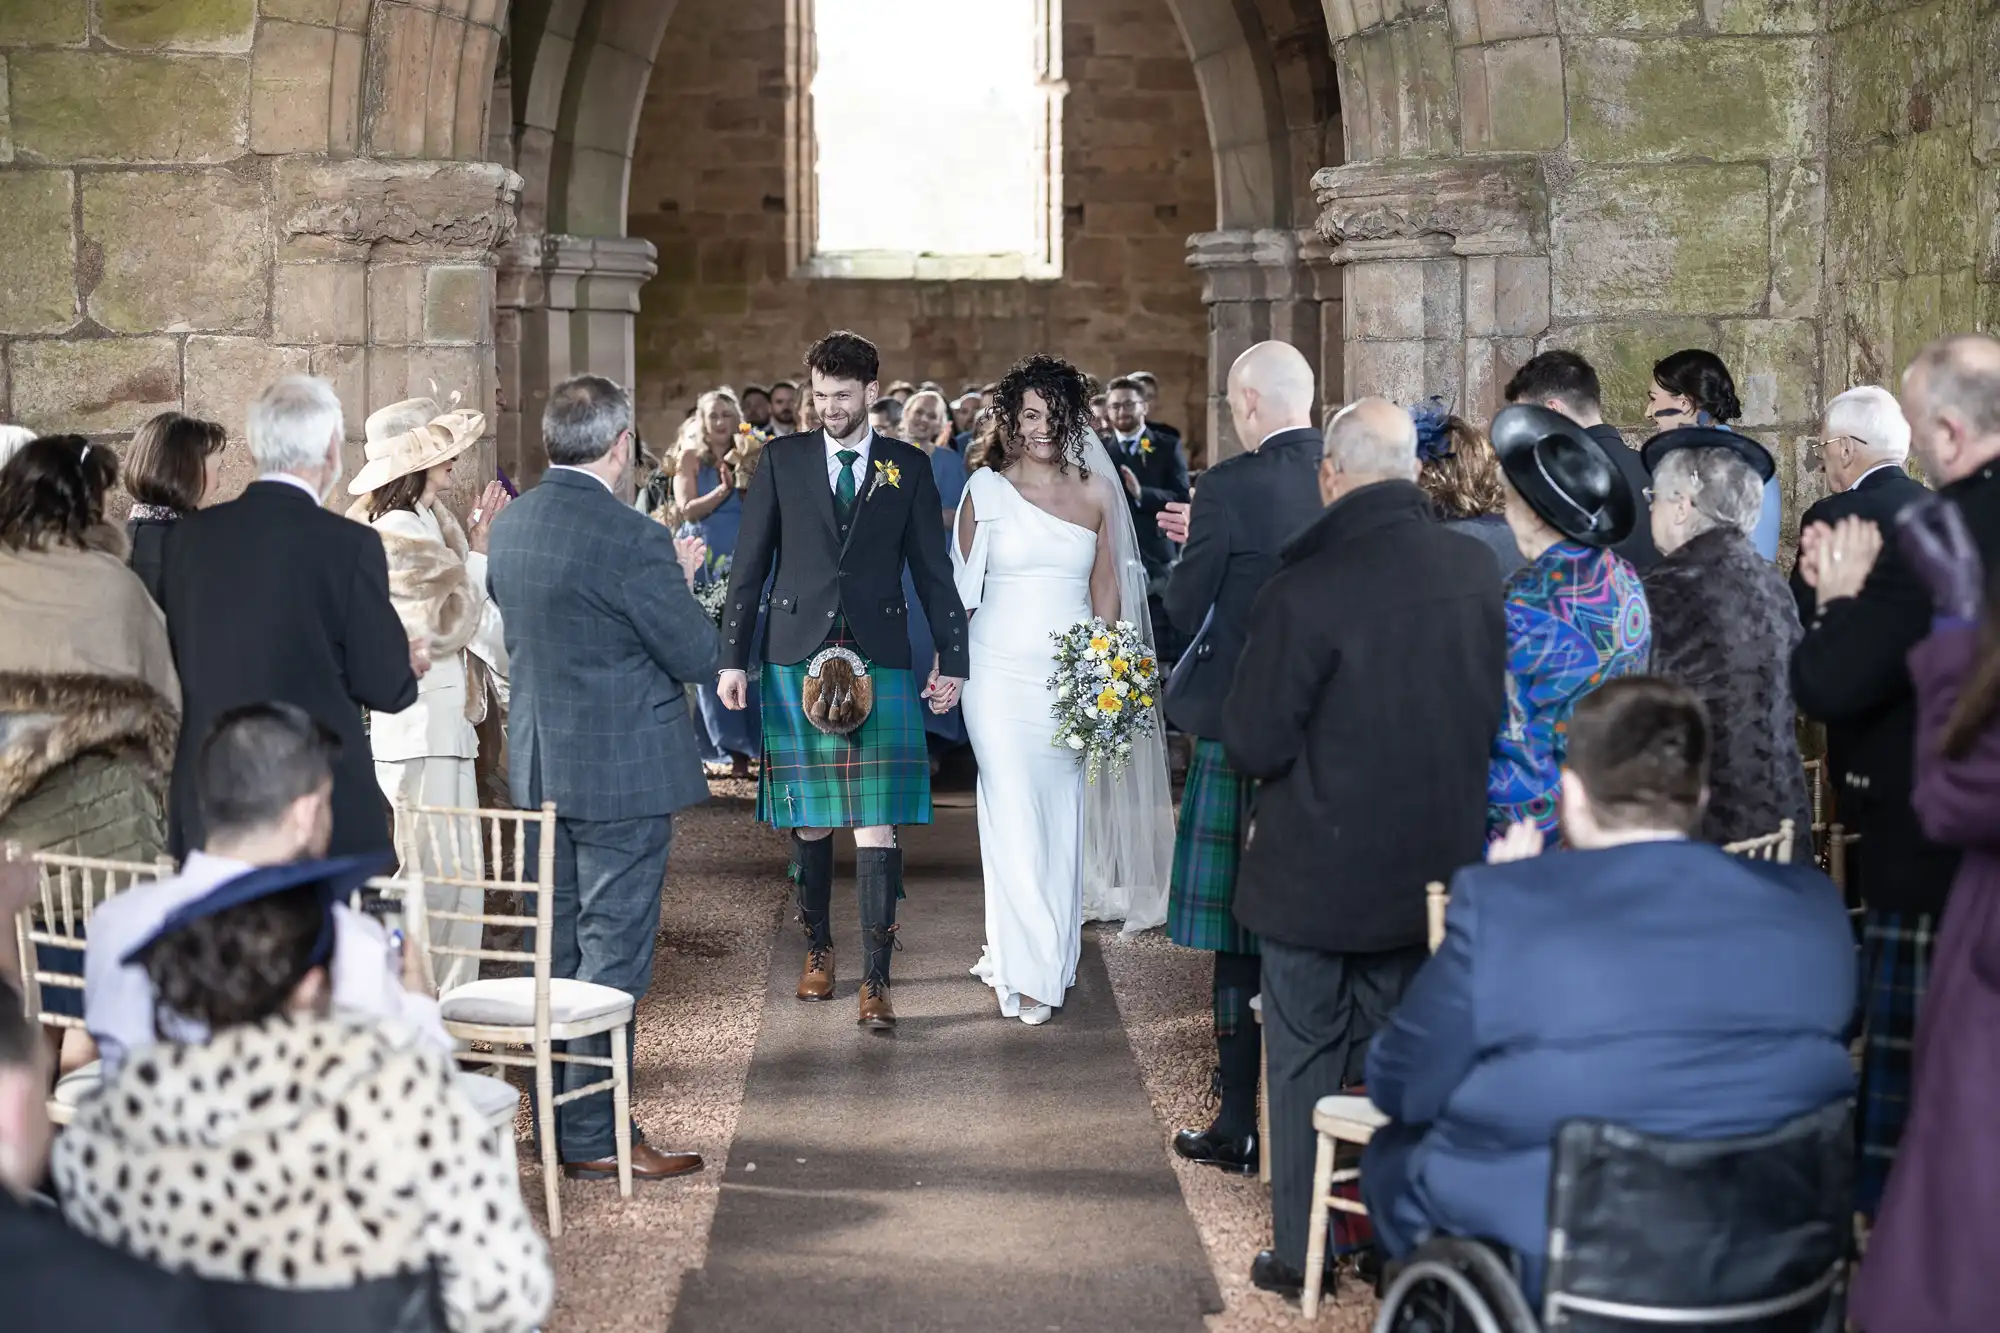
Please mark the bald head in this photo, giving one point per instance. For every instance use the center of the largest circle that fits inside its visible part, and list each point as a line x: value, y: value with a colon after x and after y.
x: 1367, y: 441
x: 1951, y: 394
x: 1270, y: 389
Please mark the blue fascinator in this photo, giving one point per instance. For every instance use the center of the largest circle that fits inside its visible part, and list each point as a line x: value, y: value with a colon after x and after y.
x: 1433, y: 441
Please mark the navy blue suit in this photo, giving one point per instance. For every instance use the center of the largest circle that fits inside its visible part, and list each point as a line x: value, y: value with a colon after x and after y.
x: 1668, y: 987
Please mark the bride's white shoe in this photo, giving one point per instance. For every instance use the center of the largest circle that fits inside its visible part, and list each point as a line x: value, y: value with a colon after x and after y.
x: 1038, y: 1015
x: 983, y: 969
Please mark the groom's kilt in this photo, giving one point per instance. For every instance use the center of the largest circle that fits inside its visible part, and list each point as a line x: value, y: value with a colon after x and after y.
x: 877, y: 774
x: 1207, y: 847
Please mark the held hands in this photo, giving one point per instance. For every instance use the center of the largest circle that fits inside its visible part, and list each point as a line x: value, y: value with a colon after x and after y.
x: 691, y: 552
x: 480, y: 525
x: 1522, y: 842
x: 1836, y: 560
x: 1173, y: 521
x: 942, y: 691
x: 1936, y: 544
x: 733, y: 689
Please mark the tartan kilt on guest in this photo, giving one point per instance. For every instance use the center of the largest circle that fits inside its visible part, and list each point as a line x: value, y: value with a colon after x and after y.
x: 1895, y: 970
x: 878, y: 774
x: 1207, y: 846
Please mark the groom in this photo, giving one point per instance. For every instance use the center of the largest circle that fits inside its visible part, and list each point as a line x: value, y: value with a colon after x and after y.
x: 839, y: 511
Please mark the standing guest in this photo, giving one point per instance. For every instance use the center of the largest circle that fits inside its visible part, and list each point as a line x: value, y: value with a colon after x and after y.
x: 808, y: 416
x: 1930, y: 1256
x: 1852, y: 672
x: 1245, y: 511
x: 1564, y: 382
x: 1100, y: 414
x: 1724, y: 626
x: 1864, y: 444
x: 427, y: 753
x: 1462, y: 477
x: 756, y: 403
x: 1576, y: 613
x: 902, y: 391
x: 929, y: 429
x: 1694, y: 388
x: 1149, y: 388
x: 885, y: 418
x: 784, y: 408
x: 711, y: 500
x: 173, y: 468
x: 1372, y: 668
x: 964, y: 411
x: 264, y: 783
x: 604, y: 636
x: 290, y: 1149
x: 271, y: 597
x: 1154, y: 471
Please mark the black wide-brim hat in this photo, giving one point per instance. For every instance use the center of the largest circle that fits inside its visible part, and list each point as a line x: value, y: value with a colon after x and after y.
x: 1564, y: 475
x: 1709, y: 437
x: 332, y: 880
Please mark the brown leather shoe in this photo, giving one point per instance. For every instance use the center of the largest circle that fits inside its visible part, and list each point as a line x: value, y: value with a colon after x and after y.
x: 816, y: 981
x: 876, y: 1011
x: 648, y: 1163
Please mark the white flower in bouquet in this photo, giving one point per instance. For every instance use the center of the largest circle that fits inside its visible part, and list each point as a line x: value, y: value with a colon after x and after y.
x: 1063, y: 693
x: 1075, y: 742
x: 1120, y: 688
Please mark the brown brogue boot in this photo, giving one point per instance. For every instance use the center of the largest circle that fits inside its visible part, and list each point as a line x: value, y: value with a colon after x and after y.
x: 816, y: 980
x: 876, y: 1011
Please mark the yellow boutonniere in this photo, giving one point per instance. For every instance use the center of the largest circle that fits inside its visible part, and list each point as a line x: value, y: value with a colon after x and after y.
x: 1146, y: 444
x: 889, y: 474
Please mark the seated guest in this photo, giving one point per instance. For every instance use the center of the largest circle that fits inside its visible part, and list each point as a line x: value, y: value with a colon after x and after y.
x: 265, y: 779
x: 1640, y: 978
x: 1462, y: 477
x: 287, y: 1147
x: 1725, y: 626
x: 1694, y: 388
x: 172, y: 468
x: 1576, y: 615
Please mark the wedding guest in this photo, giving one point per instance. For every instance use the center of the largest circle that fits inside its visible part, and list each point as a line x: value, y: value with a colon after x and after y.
x: 603, y: 637
x: 1694, y: 388
x: 264, y: 783
x: 1852, y: 669
x: 1724, y: 626
x: 710, y: 497
x: 902, y: 391
x: 808, y: 416
x: 930, y: 430
x: 1149, y: 389
x: 335, y: 1156
x: 173, y: 468
x: 1461, y: 475
x: 1576, y: 613
x: 1928, y: 1267
x: 1372, y: 667
x: 885, y: 417
x: 426, y: 754
x: 270, y: 596
x: 785, y: 409
x: 1562, y: 381
x: 964, y: 411
x: 1244, y: 512
x: 1864, y: 443
x: 1495, y: 1046
x: 12, y: 440
x: 1153, y: 469
x: 756, y: 403
x: 1100, y: 414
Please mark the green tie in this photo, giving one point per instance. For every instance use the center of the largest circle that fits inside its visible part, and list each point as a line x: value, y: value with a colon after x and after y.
x: 843, y: 491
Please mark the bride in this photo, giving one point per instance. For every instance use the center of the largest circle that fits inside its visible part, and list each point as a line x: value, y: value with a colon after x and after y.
x: 1044, y: 539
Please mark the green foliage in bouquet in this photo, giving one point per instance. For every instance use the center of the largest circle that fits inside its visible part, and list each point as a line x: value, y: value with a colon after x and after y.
x: 1106, y: 685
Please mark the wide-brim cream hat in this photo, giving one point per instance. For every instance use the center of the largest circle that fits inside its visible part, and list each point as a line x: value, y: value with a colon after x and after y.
x: 417, y: 448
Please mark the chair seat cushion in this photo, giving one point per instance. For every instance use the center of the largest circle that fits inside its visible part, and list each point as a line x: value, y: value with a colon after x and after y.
x: 79, y: 1083
x: 510, y: 1002
x: 494, y: 1098
x: 1331, y: 1113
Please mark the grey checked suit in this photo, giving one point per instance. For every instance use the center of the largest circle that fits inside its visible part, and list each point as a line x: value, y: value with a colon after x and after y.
x: 603, y: 637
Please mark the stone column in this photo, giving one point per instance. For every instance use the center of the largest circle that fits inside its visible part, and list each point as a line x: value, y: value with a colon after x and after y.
x: 1265, y: 284
x: 568, y: 305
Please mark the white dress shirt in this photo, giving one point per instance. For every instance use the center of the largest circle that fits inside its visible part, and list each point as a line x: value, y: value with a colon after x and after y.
x: 118, y: 1002
x: 1879, y: 467
x: 569, y: 467
x: 299, y: 482
x: 860, y: 466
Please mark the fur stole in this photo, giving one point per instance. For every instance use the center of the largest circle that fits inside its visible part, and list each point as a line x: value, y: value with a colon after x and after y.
x: 48, y: 720
x: 433, y: 594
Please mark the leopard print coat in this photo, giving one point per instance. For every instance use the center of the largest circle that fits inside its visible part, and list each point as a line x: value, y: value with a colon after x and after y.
x: 309, y: 1153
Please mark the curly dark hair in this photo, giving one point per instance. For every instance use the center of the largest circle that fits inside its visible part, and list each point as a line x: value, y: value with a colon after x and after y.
x: 53, y: 491
x: 844, y: 355
x: 1067, y: 392
x: 241, y: 965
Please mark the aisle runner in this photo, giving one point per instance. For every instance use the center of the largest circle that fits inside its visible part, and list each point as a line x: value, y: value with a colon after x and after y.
x: 966, y: 1173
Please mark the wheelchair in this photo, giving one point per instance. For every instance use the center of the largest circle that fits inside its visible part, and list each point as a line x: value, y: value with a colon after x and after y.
x: 1744, y: 1235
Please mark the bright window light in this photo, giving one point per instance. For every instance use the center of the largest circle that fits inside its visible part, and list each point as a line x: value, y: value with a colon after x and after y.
x: 927, y: 115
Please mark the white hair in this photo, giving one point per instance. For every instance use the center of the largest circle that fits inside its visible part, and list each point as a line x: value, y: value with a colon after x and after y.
x: 1871, y: 415
x: 292, y: 422
x: 1386, y: 448
x: 13, y: 439
x: 1726, y: 490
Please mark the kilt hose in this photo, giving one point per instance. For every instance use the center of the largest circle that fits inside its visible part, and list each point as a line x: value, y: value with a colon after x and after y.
x: 878, y: 774
x: 1895, y: 969
x: 1207, y: 847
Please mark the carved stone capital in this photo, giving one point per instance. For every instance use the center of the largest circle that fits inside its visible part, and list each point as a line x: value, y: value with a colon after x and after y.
x: 576, y: 272
x: 1265, y: 264
x: 1414, y: 210
x: 464, y: 209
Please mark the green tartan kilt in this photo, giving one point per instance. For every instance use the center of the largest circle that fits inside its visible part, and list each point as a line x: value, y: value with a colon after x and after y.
x: 877, y: 774
x: 1207, y: 847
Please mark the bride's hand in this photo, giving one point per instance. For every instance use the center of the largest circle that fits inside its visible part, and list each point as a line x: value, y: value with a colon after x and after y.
x: 942, y: 691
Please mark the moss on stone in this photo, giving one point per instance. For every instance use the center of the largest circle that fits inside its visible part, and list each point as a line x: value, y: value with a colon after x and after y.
x: 1632, y: 240
x: 1775, y: 363
x: 1720, y: 98
x: 38, y: 281
x: 1936, y: 216
x: 1623, y: 352
x: 182, y: 251
x: 28, y: 22
x: 87, y: 106
x: 1634, y: 16
x: 196, y: 24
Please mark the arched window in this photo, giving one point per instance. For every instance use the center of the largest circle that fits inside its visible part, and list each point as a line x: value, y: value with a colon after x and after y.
x: 926, y: 138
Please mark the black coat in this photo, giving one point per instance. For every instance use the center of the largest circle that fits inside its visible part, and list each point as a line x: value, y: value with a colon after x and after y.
x: 1245, y: 510
x: 1850, y: 672
x: 1160, y: 463
x: 148, y: 540
x: 1724, y: 626
x: 1637, y: 548
x: 59, y: 1280
x: 270, y: 597
x: 1365, y: 703
x: 823, y: 572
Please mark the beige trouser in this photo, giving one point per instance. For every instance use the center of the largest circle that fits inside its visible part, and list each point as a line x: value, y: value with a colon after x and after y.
x: 440, y: 782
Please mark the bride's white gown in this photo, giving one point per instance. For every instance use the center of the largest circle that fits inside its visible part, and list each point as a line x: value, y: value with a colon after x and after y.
x: 1028, y: 576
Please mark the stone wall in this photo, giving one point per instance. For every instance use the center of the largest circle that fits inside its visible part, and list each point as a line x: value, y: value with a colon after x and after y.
x: 708, y: 189
x: 200, y: 195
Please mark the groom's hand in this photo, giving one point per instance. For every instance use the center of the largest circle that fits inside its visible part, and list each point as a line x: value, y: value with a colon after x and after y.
x: 942, y: 691
x: 733, y: 688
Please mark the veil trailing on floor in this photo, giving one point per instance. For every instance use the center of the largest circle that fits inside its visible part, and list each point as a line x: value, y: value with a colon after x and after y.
x: 1128, y: 829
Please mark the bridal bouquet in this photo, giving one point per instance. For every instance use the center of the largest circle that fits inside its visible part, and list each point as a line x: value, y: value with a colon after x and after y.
x: 711, y: 586
x: 1104, y: 684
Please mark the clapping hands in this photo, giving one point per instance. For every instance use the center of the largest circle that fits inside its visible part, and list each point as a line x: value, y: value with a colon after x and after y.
x: 1835, y: 560
x: 691, y: 552
x: 1522, y: 842
x: 480, y: 524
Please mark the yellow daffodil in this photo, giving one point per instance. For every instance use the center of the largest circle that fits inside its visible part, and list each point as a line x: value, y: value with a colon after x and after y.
x: 1108, y: 702
x: 889, y: 474
x: 1145, y: 701
x: 1101, y: 644
x: 1119, y: 666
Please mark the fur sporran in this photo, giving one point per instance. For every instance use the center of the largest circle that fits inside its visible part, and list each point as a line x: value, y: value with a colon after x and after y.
x: 838, y: 694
